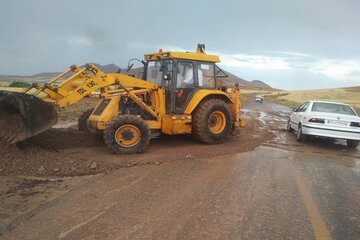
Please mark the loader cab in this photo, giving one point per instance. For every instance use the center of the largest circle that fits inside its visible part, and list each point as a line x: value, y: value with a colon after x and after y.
x: 181, y: 75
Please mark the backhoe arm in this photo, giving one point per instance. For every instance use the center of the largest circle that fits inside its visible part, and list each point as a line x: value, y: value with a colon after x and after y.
x: 83, y: 82
x: 35, y: 116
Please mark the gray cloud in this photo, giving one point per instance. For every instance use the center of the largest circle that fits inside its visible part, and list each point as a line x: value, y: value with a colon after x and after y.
x: 51, y: 35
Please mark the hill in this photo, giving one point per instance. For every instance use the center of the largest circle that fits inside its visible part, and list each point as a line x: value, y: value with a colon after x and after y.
x: 260, y: 84
x: 137, y: 72
x: 106, y: 68
x: 232, y: 79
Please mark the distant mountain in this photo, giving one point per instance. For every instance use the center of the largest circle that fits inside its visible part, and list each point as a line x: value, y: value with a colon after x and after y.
x: 45, y: 75
x: 260, y: 84
x: 109, y: 68
x: 232, y: 79
x: 137, y: 72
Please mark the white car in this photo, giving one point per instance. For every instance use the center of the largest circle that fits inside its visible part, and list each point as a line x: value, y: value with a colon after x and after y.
x: 325, y: 119
x: 258, y: 99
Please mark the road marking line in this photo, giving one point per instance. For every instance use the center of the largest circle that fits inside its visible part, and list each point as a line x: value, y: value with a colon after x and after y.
x: 319, y: 227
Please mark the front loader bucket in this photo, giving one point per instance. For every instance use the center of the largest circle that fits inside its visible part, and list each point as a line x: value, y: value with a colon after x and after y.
x: 23, y: 115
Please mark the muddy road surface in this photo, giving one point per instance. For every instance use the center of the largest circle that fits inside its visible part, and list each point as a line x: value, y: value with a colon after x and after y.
x: 261, y: 184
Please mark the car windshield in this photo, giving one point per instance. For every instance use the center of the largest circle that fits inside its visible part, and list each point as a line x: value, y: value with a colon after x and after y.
x: 155, y: 70
x: 332, y: 108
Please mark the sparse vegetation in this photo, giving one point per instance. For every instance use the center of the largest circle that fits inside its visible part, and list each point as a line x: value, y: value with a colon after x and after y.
x: 285, y: 102
x: 295, y: 98
x: 13, y: 89
x: 20, y: 84
x: 4, y: 84
x: 245, y: 98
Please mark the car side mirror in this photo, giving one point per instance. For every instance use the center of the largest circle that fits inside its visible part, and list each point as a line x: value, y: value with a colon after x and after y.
x: 294, y: 109
x: 129, y: 67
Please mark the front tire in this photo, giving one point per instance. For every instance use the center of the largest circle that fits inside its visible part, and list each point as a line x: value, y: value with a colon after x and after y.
x: 300, y: 137
x: 352, y: 143
x: 82, y: 122
x: 127, y: 134
x: 212, y: 121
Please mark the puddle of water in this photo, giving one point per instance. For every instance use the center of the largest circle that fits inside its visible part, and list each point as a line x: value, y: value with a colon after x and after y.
x: 262, y: 117
x: 350, y: 161
x: 65, y: 124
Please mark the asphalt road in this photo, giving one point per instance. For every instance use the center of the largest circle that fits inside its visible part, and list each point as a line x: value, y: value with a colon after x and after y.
x: 280, y: 190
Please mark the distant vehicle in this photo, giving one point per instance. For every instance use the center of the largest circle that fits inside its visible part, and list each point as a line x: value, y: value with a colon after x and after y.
x: 258, y: 99
x: 325, y: 119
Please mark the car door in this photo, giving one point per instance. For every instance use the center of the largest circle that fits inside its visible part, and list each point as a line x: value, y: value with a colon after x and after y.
x: 301, y: 113
x: 295, y: 118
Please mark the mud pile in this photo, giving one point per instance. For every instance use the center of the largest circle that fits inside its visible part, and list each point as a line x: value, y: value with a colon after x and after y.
x: 48, y: 154
x: 69, y: 152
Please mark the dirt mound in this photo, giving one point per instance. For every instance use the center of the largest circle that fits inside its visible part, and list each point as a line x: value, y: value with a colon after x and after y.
x: 69, y: 152
x: 44, y: 154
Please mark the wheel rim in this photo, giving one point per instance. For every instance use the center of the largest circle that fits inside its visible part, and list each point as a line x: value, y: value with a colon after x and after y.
x: 217, y: 122
x: 127, y: 136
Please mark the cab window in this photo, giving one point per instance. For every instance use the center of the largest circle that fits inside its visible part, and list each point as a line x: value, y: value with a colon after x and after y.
x: 206, y: 75
x: 185, y: 75
x: 156, y: 70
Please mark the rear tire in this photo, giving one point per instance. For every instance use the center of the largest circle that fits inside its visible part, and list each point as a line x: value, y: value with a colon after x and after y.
x: 127, y: 134
x: 352, y: 143
x: 82, y: 122
x: 300, y: 137
x: 212, y: 121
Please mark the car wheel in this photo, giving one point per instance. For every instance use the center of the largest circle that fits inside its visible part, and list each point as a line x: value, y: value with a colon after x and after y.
x: 288, y: 126
x: 300, y: 137
x: 352, y: 143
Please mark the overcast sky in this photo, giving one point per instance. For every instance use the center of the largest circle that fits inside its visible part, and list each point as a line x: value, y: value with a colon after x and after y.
x: 287, y: 44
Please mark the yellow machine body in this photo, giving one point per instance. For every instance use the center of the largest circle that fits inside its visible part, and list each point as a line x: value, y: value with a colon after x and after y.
x: 161, y: 105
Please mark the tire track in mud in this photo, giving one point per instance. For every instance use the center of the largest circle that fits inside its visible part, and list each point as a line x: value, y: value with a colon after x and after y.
x: 272, y: 183
x: 69, y: 152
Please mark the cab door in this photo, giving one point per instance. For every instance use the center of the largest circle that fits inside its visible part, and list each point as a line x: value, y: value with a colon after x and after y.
x: 184, y: 85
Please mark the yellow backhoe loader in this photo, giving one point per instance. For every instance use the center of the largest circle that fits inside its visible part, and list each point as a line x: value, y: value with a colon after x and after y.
x: 179, y: 93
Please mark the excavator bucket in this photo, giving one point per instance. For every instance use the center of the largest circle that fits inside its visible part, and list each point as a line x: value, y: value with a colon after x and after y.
x: 23, y: 115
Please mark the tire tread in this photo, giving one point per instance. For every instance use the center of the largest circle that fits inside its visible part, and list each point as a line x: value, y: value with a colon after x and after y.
x: 199, y: 122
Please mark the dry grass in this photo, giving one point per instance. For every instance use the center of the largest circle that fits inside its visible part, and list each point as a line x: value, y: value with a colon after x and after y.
x: 357, y: 109
x: 336, y: 95
x: 5, y: 84
x: 344, y: 95
x: 245, y: 98
x: 259, y: 92
x: 13, y: 89
x: 285, y: 102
